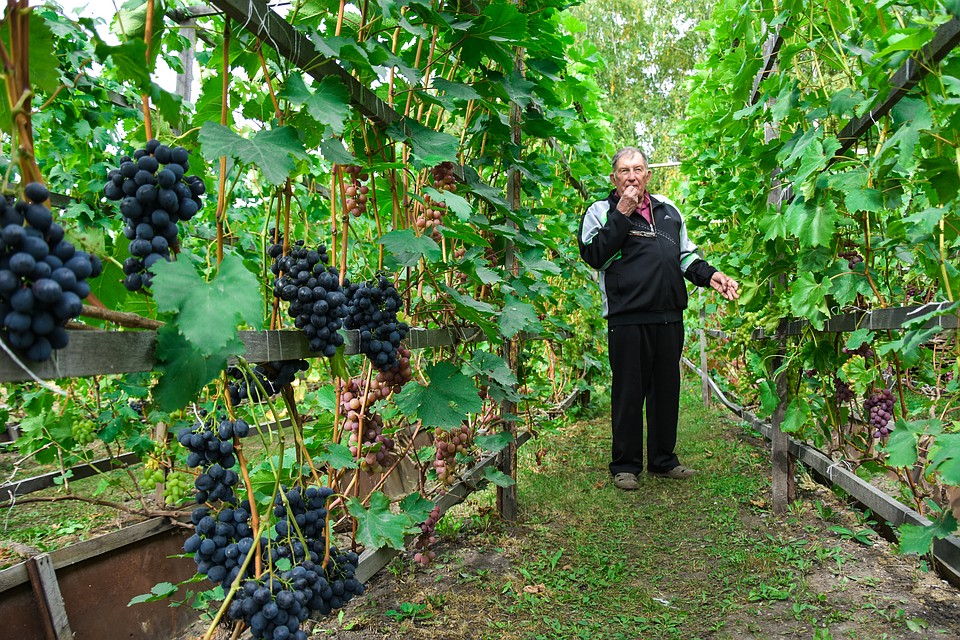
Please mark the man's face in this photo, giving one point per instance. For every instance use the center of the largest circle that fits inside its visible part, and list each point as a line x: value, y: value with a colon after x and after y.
x: 631, y: 171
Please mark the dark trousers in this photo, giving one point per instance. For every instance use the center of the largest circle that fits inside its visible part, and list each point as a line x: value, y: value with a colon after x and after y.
x: 645, y: 360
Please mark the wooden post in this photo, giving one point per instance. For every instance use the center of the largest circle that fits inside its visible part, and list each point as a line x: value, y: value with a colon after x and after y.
x: 782, y: 483
x: 507, y: 496
x: 704, y: 374
x: 46, y: 591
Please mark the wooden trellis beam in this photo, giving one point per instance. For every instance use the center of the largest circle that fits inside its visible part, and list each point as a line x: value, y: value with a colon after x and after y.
x: 771, y: 50
x: 917, y: 66
x: 256, y: 17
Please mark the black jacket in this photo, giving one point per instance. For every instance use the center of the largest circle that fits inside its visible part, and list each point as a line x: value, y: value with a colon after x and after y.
x: 641, y: 266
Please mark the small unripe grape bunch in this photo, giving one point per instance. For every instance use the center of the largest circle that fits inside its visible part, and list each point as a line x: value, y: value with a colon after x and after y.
x: 356, y: 192
x: 43, y: 277
x: 84, y: 432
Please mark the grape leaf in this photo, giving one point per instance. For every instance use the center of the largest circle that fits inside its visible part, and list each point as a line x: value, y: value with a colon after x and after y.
x: 946, y: 457
x: 901, y: 447
x: 185, y: 370
x: 517, y: 316
x: 406, y: 248
x: 159, y: 591
x: 208, y: 312
x: 807, y: 300
x: 329, y: 104
x: 128, y: 60
x: 919, y: 539
x: 270, y: 150
x: 338, y: 456
x: 457, y: 204
x: 334, y: 151
x: 497, y: 477
x: 445, y: 402
x: 377, y: 526
x: 429, y: 147
x: 494, y: 443
x: 456, y: 90
x: 798, y: 412
x: 416, y: 506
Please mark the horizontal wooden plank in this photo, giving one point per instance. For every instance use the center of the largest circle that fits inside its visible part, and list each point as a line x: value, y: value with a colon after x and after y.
x: 37, y: 483
x: 917, y: 66
x: 80, y: 551
x: 893, y: 319
x: 93, y: 353
x: 258, y: 18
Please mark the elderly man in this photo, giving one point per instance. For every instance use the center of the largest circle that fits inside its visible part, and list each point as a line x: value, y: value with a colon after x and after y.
x: 638, y: 243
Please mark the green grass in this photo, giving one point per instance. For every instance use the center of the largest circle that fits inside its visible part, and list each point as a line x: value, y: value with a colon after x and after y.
x: 700, y: 558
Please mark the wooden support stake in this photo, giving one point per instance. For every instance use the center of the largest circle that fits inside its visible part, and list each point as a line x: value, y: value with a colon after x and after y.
x: 782, y: 483
x: 46, y: 591
x: 704, y: 378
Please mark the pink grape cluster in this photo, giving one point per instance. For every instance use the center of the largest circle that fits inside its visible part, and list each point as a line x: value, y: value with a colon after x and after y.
x: 879, y: 406
x: 356, y: 192
x: 368, y: 444
x: 424, y: 554
x: 432, y: 215
x: 449, y: 444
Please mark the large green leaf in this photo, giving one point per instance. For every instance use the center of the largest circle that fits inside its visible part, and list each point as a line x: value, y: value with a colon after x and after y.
x: 208, y: 313
x: 797, y: 415
x: 458, y: 205
x: 445, y: 402
x: 416, y: 506
x: 185, y: 370
x: 813, y: 223
x: 517, y: 316
x: 329, y: 104
x: 496, y: 442
x: 499, y: 26
x: 901, y: 447
x: 378, y: 527
x: 406, y: 248
x: 129, y: 61
x: 808, y: 300
x: 919, y: 539
x: 946, y: 457
x: 429, y: 147
x: 272, y: 151
x: 500, y: 379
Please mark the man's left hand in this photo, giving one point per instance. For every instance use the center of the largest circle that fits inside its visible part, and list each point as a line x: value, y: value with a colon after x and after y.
x: 725, y: 285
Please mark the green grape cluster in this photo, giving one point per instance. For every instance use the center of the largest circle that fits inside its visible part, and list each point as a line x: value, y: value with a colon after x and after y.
x: 84, y: 432
x: 151, y: 478
x: 177, y: 486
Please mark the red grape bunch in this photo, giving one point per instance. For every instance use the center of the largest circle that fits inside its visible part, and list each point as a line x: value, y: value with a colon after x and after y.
x: 43, y: 278
x: 842, y: 390
x: 853, y: 258
x: 448, y: 445
x: 424, y: 554
x: 154, y: 196
x: 879, y: 407
x: 356, y: 192
x: 432, y: 215
x: 375, y: 450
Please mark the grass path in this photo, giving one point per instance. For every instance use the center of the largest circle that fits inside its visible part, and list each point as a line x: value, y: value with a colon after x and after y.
x: 701, y: 558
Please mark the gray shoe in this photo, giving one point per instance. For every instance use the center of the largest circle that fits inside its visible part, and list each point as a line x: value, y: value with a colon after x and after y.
x: 679, y: 472
x: 626, y: 481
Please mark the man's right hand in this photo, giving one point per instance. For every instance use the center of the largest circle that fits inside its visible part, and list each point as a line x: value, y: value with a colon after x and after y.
x: 629, y: 200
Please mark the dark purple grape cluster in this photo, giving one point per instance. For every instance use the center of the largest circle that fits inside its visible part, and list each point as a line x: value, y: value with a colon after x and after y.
x: 842, y: 390
x: 211, y: 448
x: 43, y: 278
x: 316, y: 297
x: 372, y: 310
x: 879, y: 408
x: 275, y: 604
x: 865, y: 351
x: 424, y: 554
x: 853, y: 258
x: 155, y: 195
x: 272, y: 376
